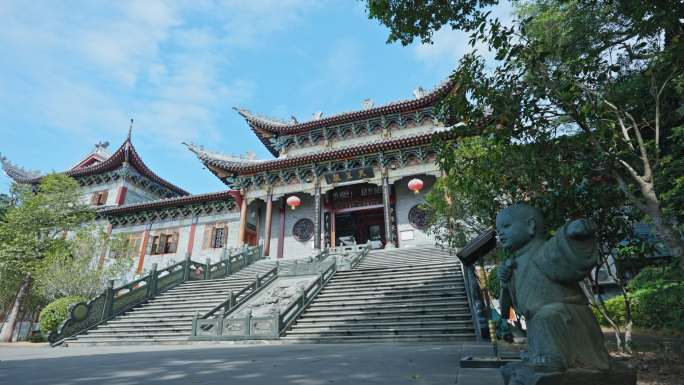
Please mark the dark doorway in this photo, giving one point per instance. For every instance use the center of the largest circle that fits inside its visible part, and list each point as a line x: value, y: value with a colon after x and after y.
x: 361, y: 227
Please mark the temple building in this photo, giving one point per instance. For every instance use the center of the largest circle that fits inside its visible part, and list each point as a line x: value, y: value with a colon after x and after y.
x: 355, y: 177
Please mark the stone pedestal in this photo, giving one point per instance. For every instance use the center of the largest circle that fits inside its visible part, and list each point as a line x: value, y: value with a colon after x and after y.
x: 522, y: 374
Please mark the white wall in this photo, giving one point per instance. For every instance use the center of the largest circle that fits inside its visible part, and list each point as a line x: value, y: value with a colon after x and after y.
x: 111, y: 187
x: 182, y: 227
x: 405, y: 200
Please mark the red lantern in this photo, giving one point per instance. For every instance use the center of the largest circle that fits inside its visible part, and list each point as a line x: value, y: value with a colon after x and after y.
x: 293, y: 202
x: 415, y: 185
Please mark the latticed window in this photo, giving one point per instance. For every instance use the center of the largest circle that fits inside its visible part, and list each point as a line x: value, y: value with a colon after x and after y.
x: 99, y: 198
x: 215, y: 236
x: 165, y: 243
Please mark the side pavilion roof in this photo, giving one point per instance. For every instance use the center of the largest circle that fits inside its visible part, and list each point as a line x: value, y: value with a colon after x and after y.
x: 126, y: 153
x: 227, y: 196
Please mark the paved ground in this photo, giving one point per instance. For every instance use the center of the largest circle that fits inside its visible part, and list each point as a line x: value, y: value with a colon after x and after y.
x: 243, y: 364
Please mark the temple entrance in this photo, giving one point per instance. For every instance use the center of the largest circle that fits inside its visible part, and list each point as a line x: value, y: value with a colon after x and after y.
x: 355, y: 215
x: 359, y: 227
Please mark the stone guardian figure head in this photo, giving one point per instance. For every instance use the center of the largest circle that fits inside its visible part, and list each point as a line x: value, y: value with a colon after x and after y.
x: 518, y: 224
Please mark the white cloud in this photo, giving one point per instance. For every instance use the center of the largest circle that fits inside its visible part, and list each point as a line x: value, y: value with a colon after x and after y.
x: 450, y: 45
x: 86, y: 68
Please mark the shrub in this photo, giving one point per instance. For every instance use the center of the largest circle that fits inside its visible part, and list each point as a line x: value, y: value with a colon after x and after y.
x: 493, y: 283
x: 616, y: 310
x: 657, y: 297
x: 56, y: 312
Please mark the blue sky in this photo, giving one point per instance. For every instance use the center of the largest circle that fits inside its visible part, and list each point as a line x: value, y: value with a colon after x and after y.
x: 74, y: 73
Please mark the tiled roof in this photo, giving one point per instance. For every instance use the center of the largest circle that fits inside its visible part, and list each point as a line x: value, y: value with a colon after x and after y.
x: 124, y: 153
x: 262, y: 126
x: 169, y: 202
x: 243, y: 166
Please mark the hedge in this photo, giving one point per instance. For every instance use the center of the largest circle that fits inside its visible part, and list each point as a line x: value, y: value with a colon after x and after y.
x: 657, y: 297
x: 56, y: 312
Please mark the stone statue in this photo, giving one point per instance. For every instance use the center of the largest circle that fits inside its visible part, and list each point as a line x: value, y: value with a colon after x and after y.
x: 541, y: 282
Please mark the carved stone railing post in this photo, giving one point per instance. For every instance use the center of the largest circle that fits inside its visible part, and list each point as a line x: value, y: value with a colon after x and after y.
x: 109, y: 300
x: 152, y: 283
x: 207, y: 270
x: 194, y: 323
x: 186, y: 268
x: 257, y: 282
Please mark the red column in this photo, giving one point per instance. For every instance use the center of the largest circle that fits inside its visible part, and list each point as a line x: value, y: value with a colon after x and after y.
x: 191, y: 240
x: 146, y: 236
x: 332, y: 228
x: 121, y: 195
x: 267, y: 227
x: 281, y: 235
x: 243, y: 221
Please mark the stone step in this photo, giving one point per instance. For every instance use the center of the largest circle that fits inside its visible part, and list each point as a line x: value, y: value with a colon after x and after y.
x: 184, y: 329
x: 183, y: 340
x: 124, y: 322
x: 348, y: 312
x: 446, y: 292
x: 114, y: 336
x: 186, y: 296
x: 166, y: 313
x: 313, y: 320
x: 152, y: 317
x: 378, y: 307
x: 182, y: 289
x: 396, y: 278
x: 468, y: 324
x: 178, y: 307
x: 374, y: 331
x: 448, y: 283
x: 380, y: 338
x: 400, y: 268
x: 395, y: 282
x: 409, y: 258
x: 381, y: 301
x: 214, y: 298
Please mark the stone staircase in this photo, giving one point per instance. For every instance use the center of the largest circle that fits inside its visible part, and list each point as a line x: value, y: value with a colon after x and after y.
x: 167, y: 318
x: 414, y: 294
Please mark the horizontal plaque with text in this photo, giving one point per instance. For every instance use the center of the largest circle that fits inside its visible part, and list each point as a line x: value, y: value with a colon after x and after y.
x: 349, y: 175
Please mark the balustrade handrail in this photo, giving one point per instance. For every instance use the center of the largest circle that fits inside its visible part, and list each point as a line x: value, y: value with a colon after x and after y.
x: 215, y: 327
x: 359, y: 252
x: 234, y: 301
x: 304, y: 299
x: 474, y: 295
x: 111, y: 303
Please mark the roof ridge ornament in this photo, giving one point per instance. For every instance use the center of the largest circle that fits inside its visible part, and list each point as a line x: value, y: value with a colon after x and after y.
x: 368, y: 103
x: 16, y: 172
x: 130, y: 130
x: 419, y: 92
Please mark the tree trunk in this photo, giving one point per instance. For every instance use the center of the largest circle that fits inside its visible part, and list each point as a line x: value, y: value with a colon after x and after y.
x: 601, y: 307
x: 666, y: 230
x: 670, y: 237
x: 8, y: 330
x: 628, y: 318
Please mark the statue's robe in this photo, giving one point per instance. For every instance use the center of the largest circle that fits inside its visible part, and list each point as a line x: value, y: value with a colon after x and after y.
x: 561, y: 329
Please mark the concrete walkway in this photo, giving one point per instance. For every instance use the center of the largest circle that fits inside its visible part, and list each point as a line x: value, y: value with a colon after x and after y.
x: 351, y: 364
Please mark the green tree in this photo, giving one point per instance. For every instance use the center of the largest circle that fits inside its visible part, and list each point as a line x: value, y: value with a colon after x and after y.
x: 610, y: 72
x: 77, y: 271
x: 598, y: 73
x: 35, y: 229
